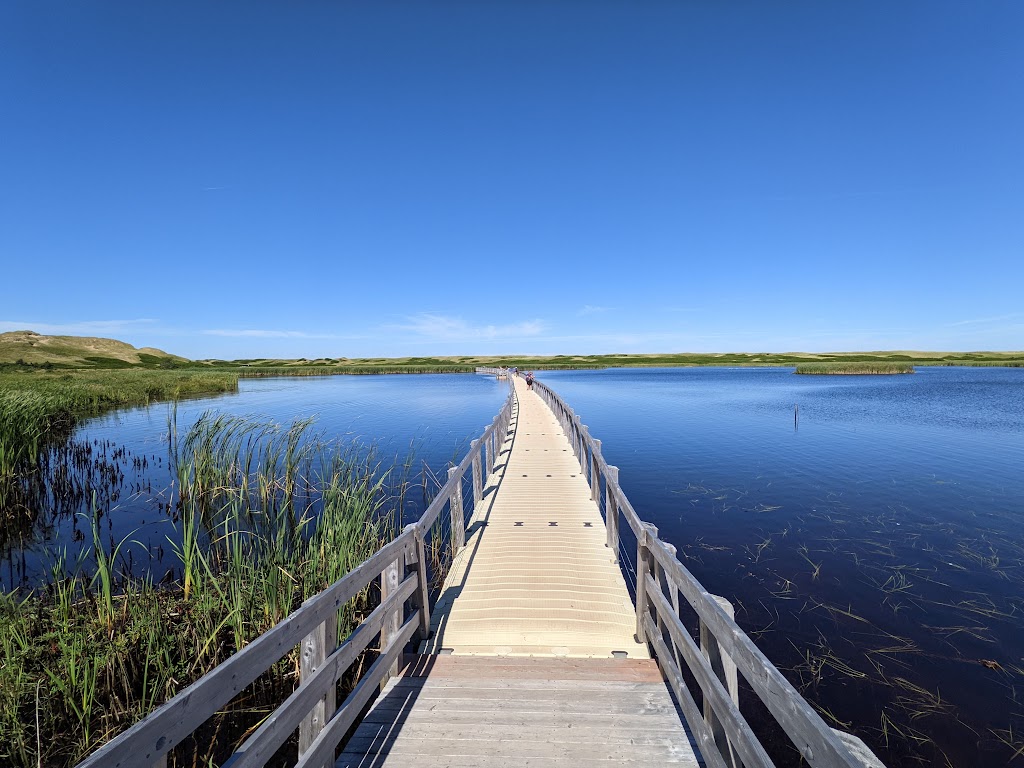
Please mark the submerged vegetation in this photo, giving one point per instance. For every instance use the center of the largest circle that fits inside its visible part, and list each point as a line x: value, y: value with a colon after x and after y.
x: 265, y: 517
x: 39, y: 409
x: 853, y: 369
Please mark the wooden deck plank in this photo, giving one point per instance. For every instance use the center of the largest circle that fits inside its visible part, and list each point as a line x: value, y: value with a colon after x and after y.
x: 535, y: 577
x: 451, y: 710
x: 520, y: 670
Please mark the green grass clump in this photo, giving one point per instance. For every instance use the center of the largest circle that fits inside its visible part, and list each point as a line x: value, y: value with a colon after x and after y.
x: 855, y: 368
x: 466, y: 364
x: 38, y: 408
x: 266, y: 517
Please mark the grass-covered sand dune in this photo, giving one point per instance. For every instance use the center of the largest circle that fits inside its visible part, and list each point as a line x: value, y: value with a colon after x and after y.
x: 886, y: 362
x: 34, y: 349
x: 27, y: 349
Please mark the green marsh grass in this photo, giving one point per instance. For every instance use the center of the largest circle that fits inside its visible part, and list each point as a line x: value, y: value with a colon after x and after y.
x: 39, y: 409
x: 858, y: 368
x: 266, y: 516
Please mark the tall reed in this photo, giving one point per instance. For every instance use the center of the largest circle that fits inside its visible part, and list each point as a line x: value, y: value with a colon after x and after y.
x: 267, y: 516
x: 38, y: 410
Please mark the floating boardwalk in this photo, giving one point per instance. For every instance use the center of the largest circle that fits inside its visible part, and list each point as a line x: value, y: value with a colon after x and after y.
x: 532, y: 658
x: 534, y: 653
x: 535, y: 577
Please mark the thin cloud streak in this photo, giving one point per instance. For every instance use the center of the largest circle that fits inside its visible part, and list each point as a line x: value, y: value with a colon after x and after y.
x: 986, y: 320
x: 437, y: 327
x: 80, y: 327
x: 588, y: 309
x: 263, y: 333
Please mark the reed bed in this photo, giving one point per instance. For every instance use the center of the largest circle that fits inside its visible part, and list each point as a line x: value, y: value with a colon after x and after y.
x: 266, y: 516
x: 273, y: 371
x: 39, y: 409
x: 857, y: 368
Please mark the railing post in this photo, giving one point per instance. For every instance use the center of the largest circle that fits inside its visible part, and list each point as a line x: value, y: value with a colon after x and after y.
x: 314, y: 650
x: 575, y: 439
x: 595, y: 472
x: 643, y: 567
x: 390, y: 578
x: 455, y: 508
x: 611, y: 510
x: 859, y: 749
x: 478, y: 486
x: 725, y: 671
x: 423, y: 592
x: 585, y: 451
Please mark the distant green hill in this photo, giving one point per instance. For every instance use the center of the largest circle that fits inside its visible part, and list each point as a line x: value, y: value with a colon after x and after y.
x: 34, y: 349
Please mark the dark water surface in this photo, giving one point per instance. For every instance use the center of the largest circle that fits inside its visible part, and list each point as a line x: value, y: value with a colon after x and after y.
x: 430, y: 419
x: 873, y: 548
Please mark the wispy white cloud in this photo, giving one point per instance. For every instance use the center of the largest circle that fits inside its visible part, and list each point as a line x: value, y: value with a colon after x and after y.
x: 589, y: 309
x: 987, y: 320
x: 80, y: 327
x: 437, y: 327
x: 264, y: 333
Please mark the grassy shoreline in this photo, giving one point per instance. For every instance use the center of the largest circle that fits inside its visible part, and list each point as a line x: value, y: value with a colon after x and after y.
x: 267, y: 516
x: 40, y: 408
x: 854, y: 369
x: 264, y: 367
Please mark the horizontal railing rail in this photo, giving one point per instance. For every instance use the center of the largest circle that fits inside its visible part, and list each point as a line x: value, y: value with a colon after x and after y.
x: 403, y: 613
x: 725, y: 738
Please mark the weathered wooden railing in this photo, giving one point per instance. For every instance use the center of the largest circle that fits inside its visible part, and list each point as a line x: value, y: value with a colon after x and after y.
x: 723, y: 735
x: 403, y: 613
x: 501, y: 373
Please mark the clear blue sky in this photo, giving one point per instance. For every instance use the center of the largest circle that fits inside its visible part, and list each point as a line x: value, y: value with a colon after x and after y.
x: 239, y: 179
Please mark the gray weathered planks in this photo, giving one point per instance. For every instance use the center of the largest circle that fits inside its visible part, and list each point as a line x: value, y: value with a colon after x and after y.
x: 476, y: 711
x: 540, y: 711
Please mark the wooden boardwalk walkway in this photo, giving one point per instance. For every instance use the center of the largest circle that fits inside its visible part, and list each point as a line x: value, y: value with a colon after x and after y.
x: 532, y: 659
x: 529, y: 657
x: 535, y: 577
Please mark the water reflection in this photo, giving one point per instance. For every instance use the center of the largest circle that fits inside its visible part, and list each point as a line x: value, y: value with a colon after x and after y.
x: 120, y: 461
x: 874, y: 548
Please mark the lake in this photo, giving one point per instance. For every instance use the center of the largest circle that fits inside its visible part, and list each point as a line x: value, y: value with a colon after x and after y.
x: 868, y: 529
x: 873, y: 546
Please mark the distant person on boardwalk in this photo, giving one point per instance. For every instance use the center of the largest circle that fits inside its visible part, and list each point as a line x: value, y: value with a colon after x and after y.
x: 529, y: 379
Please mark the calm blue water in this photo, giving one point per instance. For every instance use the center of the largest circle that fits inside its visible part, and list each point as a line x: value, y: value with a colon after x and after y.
x: 428, y: 418
x: 873, y: 547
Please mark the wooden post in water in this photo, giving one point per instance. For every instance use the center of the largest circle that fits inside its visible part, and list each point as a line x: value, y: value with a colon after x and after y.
x: 457, y: 516
x: 725, y: 670
x: 478, y: 486
x: 390, y: 578
x: 313, y: 651
x: 611, y: 510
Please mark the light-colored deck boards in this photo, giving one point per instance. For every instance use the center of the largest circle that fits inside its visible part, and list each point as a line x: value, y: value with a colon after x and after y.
x: 535, y: 577
x: 519, y: 670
